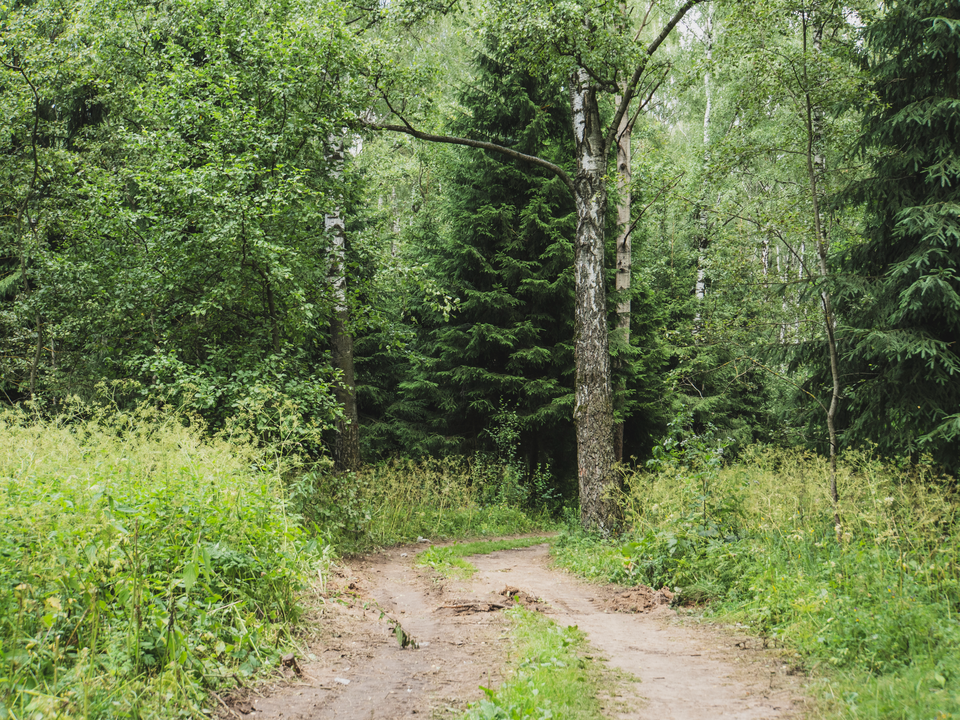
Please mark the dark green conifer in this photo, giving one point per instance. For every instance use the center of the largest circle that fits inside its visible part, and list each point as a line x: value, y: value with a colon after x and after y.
x: 902, y: 340
x: 507, y: 253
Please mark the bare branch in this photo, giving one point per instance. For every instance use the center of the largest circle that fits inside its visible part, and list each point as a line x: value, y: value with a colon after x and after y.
x: 453, y: 140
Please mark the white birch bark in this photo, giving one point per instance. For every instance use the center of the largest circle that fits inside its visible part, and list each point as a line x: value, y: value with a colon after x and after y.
x: 700, y: 288
x: 347, y: 451
x: 593, y: 411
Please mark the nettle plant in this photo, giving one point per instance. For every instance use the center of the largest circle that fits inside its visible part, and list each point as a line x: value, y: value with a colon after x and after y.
x: 697, y: 520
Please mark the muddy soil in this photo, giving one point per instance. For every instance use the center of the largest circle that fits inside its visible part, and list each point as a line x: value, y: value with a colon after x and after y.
x: 670, y: 667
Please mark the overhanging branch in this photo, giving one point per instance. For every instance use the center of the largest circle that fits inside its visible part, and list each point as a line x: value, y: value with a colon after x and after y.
x: 453, y: 140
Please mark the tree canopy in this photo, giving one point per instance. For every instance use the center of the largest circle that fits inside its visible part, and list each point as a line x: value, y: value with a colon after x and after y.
x: 219, y: 206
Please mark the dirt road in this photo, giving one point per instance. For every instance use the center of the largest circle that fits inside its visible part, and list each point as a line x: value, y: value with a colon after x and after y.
x: 672, y: 668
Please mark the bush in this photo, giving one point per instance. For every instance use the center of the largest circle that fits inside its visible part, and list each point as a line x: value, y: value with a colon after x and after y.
x: 139, y: 564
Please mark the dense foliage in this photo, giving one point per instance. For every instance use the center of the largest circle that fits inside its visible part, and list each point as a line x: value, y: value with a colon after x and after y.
x: 903, y: 313
x: 167, y: 182
x: 141, y: 564
x: 169, y: 175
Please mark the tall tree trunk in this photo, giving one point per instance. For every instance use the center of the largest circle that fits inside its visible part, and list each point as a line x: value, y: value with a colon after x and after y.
x: 816, y: 167
x: 593, y: 411
x: 703, y: 237
x: 347, y: 450
x: 624, y: 260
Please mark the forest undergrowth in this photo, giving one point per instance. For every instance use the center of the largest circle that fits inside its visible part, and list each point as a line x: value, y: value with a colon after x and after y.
x: 145, y: 565
x: 870, y: 607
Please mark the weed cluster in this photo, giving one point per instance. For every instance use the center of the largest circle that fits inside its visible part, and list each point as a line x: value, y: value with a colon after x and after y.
x: 139, y: 565
x: 449, y: 560
x: 875, y: 610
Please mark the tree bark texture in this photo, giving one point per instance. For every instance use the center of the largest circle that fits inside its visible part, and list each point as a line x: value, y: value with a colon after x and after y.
x: 624, y: 253
x: 593, y: 411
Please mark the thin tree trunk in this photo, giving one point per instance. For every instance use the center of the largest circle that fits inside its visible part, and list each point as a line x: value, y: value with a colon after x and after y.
x: 23, y: 216
x: 272, y: 309
x: 703, y: 237
x: 347, y: 450
x: 34, y: 366
x: 816, y: 165
x: 593, y: 411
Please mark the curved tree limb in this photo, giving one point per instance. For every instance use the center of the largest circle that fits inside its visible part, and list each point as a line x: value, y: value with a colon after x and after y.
x: 453, y: 140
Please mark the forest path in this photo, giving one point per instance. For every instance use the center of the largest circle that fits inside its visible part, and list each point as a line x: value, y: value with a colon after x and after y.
x: 685, y: 671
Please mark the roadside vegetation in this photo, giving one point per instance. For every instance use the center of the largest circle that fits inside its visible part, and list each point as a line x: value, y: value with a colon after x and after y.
x: 145, y: 564
x: 141, y: 563
x: 870, y: 606
x: 403, y: 500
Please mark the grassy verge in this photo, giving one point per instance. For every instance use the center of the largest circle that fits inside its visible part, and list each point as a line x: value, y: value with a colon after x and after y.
x: 141, y: 565
x: 403, y: 500
x: 875, y: 614
x: 448, y: 560
x: 554, y: 677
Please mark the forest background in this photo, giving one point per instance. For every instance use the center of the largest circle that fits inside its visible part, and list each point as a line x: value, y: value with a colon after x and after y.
x: 350, y: 239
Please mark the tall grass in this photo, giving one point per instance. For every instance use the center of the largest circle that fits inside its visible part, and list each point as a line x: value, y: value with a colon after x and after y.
x: 875, y: 612
x: 401, y: 500
x: 141, y: 564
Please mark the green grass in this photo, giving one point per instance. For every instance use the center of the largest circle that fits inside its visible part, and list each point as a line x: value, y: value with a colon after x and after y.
x: 448, y: 559
x: 444, y: 561
x: 402, y: 500
x: 875, y: 615
x: 141, y: 565
x: 553, y: 675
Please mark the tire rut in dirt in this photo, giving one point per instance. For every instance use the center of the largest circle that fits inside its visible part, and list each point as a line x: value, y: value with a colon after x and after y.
x: 685, y: 672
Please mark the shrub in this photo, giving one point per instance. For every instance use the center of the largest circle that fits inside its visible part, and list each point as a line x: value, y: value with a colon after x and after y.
x: 140, y: 563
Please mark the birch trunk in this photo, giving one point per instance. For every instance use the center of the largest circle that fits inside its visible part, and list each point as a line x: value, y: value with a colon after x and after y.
x: 347, y: 451
x: 624, y: 255
x: 816, y: 169
x: 703, y: 239
x: 593, y: 411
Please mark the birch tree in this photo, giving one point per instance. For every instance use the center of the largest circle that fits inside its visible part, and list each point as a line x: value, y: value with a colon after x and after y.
x: 599, y: 55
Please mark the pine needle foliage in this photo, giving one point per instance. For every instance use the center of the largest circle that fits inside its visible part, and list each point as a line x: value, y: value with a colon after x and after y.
x: 508, y: 256
x: 901, y: 345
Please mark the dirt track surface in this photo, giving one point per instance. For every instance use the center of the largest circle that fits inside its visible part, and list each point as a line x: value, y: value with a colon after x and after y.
x: 360, y: 672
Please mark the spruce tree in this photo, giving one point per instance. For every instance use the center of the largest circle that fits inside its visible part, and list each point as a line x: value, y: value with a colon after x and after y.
x: 507, y: 253
x: 902, y: 340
